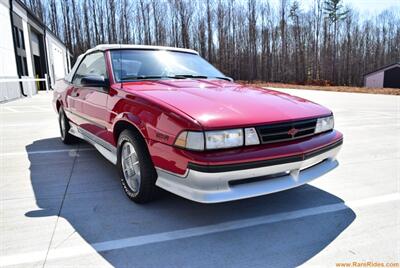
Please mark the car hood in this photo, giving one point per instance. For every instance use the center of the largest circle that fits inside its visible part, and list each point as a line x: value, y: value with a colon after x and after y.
x: 220, y: 104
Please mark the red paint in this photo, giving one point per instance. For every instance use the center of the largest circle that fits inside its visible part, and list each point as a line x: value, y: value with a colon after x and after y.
x: 223, y: 104
x: 160, y: 110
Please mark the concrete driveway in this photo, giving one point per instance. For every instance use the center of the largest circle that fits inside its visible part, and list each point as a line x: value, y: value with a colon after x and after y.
x: 64, y: 206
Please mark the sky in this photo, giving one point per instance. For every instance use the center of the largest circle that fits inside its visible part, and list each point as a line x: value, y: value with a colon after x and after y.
x: 365, y: 7
x: 372, y: 6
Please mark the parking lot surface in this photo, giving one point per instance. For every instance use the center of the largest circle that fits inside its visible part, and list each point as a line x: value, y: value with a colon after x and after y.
x: 64, y: 206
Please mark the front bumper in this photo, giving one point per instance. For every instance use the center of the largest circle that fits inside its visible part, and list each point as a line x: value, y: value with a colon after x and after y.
x: 214, y: 184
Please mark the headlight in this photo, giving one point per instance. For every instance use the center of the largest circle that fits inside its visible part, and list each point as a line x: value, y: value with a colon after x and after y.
x: 220, y: 139
x: 224, y: 138
x: 324, y: 124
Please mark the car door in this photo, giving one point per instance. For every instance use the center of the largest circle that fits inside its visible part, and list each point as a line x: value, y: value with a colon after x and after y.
x: 89, y: 103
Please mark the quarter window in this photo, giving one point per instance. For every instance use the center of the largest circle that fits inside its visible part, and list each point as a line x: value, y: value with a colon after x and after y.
x: 92, y: 64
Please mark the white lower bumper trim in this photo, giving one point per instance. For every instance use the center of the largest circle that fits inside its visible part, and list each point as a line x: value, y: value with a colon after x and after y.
x: 207, y: 187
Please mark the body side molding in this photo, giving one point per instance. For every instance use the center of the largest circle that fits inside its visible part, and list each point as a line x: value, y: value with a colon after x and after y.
x: 105, y: 148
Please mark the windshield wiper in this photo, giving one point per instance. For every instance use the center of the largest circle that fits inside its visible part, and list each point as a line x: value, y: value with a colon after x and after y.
x: 177, y: 76
x: 180, y: 76
x: 141, y: 77
x: 223, y: 78
x: 202, y: 77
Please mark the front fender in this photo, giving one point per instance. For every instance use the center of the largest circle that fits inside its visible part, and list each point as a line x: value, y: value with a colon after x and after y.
x: 131, y: 119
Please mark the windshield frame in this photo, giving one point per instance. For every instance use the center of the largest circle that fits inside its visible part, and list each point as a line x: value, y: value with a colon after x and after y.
x: 116, y: 80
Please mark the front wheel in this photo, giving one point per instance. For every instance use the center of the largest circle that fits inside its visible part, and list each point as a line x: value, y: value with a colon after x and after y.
x: 138, y: 175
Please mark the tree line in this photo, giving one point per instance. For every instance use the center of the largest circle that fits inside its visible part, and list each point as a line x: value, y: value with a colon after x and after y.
x: 250, y: 40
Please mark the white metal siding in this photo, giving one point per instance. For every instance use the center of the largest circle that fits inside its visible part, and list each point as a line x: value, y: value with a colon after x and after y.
x: 35, y: 44
x: 8, y: 66
x: 375, y: 80
x: 28, y: 87
x: 57, y: 58
x: 58, y: 61
x: 28, y: 48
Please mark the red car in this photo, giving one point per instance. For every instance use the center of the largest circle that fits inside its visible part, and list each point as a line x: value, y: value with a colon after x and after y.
x: 168, y: 118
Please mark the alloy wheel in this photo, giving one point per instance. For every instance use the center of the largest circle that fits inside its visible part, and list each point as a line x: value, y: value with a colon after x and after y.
x: 130, y: 166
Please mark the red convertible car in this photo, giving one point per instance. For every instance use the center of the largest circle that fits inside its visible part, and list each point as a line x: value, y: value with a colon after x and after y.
x: 169, y: 119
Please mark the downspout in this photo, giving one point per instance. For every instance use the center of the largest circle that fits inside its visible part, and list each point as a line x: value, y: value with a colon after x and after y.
x: 15, y: 48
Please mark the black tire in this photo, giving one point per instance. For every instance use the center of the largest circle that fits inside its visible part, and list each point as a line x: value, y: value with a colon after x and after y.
x: 146, y: 190
x: 64, y: 125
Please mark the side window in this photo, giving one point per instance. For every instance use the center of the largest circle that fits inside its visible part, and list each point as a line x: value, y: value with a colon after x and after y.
x: 92, y: 64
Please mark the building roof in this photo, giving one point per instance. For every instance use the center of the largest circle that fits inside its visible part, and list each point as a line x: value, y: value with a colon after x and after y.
x: 118, y: 46
x: 384, y: 68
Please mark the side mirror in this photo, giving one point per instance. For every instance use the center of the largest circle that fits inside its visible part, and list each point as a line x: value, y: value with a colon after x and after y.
x: 94, y: 81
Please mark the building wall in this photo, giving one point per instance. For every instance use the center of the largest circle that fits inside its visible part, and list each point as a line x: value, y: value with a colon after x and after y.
x: 21, y: 21
x: 57, y: 56
x: 51, y: 49
x: 375, y: 80
x: 8, y: 66
x: 17, y: 9
x: 28, y: 48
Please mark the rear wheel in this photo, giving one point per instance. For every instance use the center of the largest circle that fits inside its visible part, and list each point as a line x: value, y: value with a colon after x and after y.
x: 64, y: 125
x: 138, y: 175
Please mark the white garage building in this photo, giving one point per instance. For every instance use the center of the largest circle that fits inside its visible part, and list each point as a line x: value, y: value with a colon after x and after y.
x: 28, y: 50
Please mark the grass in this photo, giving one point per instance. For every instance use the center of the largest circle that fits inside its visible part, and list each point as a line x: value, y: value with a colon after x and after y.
x: 385, y: 91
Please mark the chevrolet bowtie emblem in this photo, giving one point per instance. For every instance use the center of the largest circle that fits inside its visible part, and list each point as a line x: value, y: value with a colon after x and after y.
x: 293, y: 131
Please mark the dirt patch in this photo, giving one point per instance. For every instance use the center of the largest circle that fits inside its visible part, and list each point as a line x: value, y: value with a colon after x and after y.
x: 385, y: 91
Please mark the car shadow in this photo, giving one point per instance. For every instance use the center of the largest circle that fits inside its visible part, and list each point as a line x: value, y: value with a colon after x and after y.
x: 95, y: 206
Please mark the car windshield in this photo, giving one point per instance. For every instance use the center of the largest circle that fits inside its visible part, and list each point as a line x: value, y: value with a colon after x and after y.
x: 131, y: 65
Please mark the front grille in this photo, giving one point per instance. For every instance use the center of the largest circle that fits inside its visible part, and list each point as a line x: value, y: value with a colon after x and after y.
x: 284, y: 131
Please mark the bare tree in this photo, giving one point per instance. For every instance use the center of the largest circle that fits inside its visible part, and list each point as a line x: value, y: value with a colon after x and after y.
x: 209, y: 31
x: 335, y: 13
x: 283, y: 15
x: 246, y: 39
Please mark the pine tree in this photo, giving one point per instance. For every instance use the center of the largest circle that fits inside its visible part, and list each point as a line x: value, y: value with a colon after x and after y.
x: 335, y: 13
